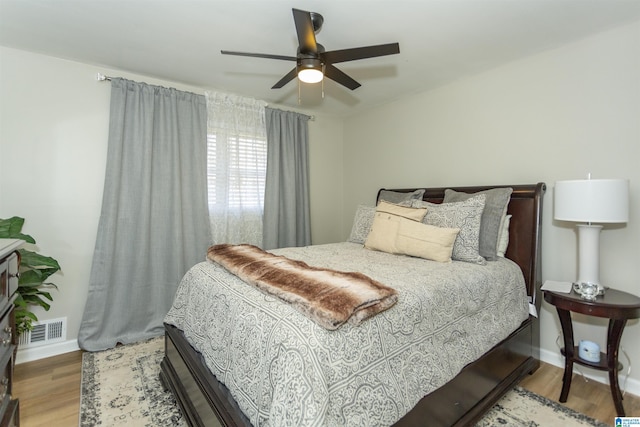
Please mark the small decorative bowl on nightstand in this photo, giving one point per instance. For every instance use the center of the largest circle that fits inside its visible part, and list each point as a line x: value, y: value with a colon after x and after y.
x: 588, y: 290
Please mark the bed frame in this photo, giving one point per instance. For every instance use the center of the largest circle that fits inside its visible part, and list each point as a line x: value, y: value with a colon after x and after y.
x: 462, y: 401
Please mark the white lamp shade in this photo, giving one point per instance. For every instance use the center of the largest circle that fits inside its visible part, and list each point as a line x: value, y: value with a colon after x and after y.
x: 592, y: 200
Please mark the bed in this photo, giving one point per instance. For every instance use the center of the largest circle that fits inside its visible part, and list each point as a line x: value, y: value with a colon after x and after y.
x: 459, y: 400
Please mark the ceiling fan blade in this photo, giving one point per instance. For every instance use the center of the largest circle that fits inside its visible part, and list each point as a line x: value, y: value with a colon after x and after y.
x: 304, y: 28
x: 334, y: 74
x: 259, y: 55
x: 286, y: 79
x: 352, y: 54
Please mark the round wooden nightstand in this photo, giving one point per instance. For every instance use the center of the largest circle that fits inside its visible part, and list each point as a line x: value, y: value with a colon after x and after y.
x: 615, y: 305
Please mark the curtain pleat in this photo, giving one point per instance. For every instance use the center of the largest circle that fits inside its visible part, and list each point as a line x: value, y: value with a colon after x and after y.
x: 286, y: 203
x: 154, y: 221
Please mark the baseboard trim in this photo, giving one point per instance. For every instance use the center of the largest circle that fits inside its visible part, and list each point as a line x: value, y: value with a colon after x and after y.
x: 44, y: 351
x: 631, y: 386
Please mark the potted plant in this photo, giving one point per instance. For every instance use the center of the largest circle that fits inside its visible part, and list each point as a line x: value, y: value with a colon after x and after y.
x: 35, y: 269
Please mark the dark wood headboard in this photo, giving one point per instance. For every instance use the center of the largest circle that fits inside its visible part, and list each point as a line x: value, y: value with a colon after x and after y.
x: 524, y: 230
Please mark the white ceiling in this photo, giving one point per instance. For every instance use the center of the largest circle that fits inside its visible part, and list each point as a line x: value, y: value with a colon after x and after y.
x: 180, y: 40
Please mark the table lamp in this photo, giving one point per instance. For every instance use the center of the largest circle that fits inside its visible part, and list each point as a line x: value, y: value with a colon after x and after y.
x: 589, y: 201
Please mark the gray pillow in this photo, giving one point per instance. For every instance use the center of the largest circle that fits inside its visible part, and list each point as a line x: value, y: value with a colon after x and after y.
x: 362, y: 224
x: 400, y: 198
x: 495, y: 208
x: 466, y: 216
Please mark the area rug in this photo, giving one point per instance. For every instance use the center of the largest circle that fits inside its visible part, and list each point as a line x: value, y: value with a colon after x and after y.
x: 520, y: 407
x: 121, y: 387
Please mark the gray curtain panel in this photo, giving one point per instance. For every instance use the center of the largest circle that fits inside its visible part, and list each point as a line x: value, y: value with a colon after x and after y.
x: 286, y: 199
x: 154, y: 222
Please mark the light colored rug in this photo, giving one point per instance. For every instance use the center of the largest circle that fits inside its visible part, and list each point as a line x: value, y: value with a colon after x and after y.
x: 121, y: 387
x: 520, y: 407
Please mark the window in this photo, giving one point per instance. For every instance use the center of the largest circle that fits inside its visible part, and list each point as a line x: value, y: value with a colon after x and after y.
x: 242, y: 163
x: 236, y: 168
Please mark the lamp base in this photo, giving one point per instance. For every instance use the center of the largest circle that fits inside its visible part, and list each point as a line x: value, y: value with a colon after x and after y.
x: 589, y: 254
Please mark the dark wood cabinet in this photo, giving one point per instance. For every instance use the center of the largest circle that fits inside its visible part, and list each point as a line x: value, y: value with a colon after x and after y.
x: 9, y: 265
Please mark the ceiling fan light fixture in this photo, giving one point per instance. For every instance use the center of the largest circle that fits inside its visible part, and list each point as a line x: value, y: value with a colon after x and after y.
x: 310, y: 75
x: 310, y: 70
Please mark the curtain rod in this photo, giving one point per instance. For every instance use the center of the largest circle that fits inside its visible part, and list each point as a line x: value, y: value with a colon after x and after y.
x: 311, y: 118
x: 102, y: 77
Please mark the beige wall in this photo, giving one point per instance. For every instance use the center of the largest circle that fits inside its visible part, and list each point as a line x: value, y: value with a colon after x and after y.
x: 54, y: 119
x: 326, y: 179
x: 557, y: 115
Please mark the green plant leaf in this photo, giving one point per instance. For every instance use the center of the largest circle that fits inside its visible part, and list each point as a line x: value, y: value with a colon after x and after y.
x: 28, y: 315
x: 35, y: 299
x: 42, y: 303
x: 27, y: 293
x: 37, y: 261
x: 50, y: 285
x: 29, y: 277
x: 47, y: 295
x: 11, y: 229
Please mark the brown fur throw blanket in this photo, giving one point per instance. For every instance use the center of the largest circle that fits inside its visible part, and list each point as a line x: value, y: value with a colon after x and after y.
x: 328, y: 297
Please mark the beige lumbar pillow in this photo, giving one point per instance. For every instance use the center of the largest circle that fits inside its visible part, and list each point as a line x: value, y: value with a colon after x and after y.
x: 426, y: 241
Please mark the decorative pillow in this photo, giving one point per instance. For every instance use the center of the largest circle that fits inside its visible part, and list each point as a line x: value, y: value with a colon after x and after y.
x: 495, y: 208
x: 398, y: 197
x: 416, y: 214
x: 383, y: 233
x: 362, y: 224
x: 503, y: 238
x: 426, y: 241
x: 398, y: 235
x: 385, y: 225
x: 464, y: 215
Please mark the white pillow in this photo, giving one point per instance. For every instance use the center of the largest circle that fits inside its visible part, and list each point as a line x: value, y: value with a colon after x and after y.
x: 503, y: 237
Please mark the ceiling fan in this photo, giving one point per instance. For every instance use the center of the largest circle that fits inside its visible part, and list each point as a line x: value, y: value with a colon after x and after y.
x: 313, y: 63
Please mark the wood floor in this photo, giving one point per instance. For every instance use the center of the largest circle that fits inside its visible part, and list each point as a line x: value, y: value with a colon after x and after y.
x: 49, y: 392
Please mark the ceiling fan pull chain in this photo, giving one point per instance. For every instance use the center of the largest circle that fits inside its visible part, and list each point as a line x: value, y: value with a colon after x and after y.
x: 299, y: 100
x: 323, y: 71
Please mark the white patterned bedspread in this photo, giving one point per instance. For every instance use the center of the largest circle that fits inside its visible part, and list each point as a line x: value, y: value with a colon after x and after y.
x: 285, y: 370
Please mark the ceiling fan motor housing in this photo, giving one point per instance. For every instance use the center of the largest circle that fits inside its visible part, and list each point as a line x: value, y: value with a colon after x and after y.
x: 309, y: 63
x: 310, y: 60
